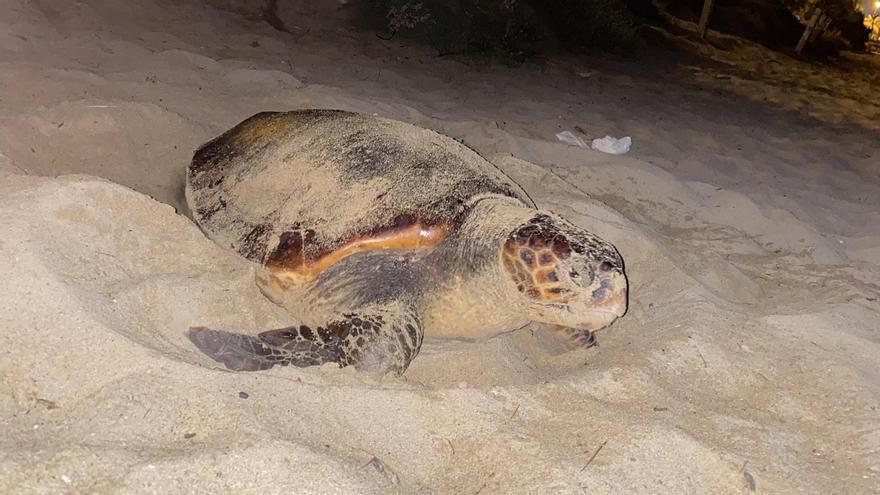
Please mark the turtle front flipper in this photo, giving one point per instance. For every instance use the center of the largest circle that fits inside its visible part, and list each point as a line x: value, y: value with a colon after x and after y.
x: 378, y: 340
x: 281, y: 347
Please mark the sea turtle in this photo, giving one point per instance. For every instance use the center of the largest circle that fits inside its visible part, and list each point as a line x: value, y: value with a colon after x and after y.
x: 374, y: 233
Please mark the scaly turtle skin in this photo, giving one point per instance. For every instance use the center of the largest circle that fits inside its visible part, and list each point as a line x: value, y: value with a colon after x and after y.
x: 374, y: 233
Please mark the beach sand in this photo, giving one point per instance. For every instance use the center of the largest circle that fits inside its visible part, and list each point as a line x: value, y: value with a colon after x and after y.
x: 747, y: 212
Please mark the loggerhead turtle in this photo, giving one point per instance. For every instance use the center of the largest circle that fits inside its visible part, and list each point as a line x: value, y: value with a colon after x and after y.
x: 374, y: 233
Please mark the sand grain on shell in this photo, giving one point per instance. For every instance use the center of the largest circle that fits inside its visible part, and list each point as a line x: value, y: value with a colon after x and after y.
x: 747, y: 361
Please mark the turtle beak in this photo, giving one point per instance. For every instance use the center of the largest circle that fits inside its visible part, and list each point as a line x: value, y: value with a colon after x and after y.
x: 608, y: 300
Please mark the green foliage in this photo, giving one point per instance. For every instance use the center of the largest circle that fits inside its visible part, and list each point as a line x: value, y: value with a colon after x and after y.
x: 847, y: 22
x: 509, y: 30
x: 847, y: 29
x: 837, y: 9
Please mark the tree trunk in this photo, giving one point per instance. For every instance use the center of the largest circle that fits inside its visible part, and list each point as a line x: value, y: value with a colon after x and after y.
x: 808, y: 31
x: 704, y: 18
x: 821, y: 25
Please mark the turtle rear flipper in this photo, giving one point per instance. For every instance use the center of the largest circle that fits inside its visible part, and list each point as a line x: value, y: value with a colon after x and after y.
x: 378, y: 340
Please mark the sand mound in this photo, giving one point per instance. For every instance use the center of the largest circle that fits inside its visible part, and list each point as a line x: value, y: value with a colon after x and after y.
x: 106, y: 280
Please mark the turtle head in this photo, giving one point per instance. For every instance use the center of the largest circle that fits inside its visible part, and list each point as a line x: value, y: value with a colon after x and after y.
x: 566, y: 275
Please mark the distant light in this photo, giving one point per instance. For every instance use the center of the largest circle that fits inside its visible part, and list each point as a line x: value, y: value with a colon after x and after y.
x: 877, y: 4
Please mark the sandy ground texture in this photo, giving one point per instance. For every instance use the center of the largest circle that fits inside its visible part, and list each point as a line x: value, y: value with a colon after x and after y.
x: 747, y: 212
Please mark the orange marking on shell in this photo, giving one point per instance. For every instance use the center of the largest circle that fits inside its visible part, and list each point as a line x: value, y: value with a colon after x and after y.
x: 294, y: 269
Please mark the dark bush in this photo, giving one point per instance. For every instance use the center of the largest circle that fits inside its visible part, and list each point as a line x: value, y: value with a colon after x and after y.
x: 846, y: 31
x: 502, y: 29
x: 509, y: 30
x: 589, y: 24
x: 853, y: 30
x: 644, y: 10
x: 772, y: 24
x: 768, y: 22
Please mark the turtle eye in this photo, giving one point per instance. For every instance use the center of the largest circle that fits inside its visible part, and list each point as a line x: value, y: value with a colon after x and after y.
x: 574, y: 274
